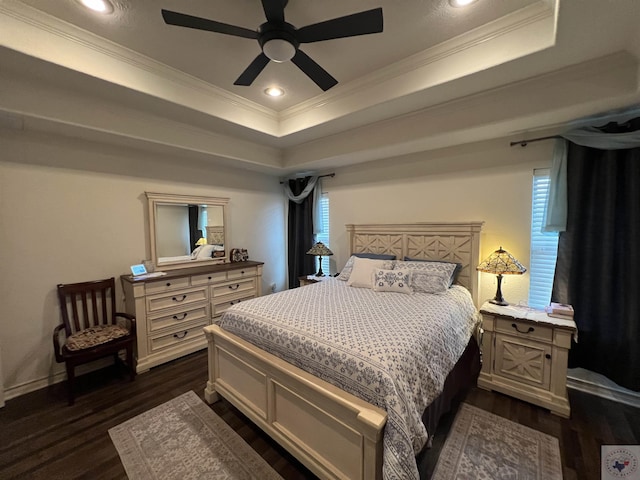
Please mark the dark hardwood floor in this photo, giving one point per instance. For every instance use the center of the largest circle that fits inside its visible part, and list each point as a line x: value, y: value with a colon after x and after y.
x: 43, y: 438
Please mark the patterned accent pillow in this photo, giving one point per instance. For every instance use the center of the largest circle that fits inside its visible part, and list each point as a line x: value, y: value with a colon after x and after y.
x: 348, y: 267
x: 456, y: 272
x: 427, y: 282
x: 392, y: 281
x: 90, y: 337
x: 440, y: 268
x: 362, y: 272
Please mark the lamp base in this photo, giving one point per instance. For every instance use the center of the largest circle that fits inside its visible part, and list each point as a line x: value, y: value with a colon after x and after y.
x: 499, y: 299
x: 320, y: 272
x: 502, y: 302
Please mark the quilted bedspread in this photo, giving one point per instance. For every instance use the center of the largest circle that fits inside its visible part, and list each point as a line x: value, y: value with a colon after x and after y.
x: 393, y: 350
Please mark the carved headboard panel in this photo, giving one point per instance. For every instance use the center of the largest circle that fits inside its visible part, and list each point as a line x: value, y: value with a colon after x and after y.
x: 454, y: 242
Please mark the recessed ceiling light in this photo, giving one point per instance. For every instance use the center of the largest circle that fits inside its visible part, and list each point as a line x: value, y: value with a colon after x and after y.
x: 274, y: 91
x: 100, y: 6
x: 461, y: 3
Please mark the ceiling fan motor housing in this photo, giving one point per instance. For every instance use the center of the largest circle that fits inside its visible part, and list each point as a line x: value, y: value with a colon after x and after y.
x: 278, y: 31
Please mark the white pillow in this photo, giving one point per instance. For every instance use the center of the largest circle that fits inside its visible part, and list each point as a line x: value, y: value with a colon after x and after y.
x: 206, y: 252
x: 348, y: 267
x: 362, y: 272
x: 392, y: 281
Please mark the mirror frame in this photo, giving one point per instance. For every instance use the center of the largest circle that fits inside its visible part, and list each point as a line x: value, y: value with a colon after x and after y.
x: 155, y: 199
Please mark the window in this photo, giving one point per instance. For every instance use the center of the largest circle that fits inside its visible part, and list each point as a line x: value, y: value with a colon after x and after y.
x: 544, y: 245
x: 324, y: 237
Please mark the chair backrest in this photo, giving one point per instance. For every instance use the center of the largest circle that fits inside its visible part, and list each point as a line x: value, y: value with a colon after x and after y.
x: 87, y: 304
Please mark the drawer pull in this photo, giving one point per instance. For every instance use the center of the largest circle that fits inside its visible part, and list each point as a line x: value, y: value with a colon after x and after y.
x: 529, y: 330
x: 168, y: 284
x: 242, y: 272
x: 184, y: 315
x: 548, y: 356
x: 232, y: 287
x: 233, y: 303
x: 181, y: 300
x: 180, y: 336
x: 209, y: 278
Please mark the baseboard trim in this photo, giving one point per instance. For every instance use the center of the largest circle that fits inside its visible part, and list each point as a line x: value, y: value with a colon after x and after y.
x: 609, y: 392
x: 37, y: 384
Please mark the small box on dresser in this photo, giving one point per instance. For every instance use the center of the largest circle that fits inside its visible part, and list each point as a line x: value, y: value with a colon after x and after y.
x: 172, y: 310
x: 524, y: 355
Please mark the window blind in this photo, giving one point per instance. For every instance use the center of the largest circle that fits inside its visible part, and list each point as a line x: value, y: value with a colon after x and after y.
x: 324, y: 236
x: 544, y: 245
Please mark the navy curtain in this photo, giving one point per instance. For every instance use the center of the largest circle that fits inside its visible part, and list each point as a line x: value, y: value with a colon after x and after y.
x: 300, y: 234
x: 598, y: 267
x: 194, y: 233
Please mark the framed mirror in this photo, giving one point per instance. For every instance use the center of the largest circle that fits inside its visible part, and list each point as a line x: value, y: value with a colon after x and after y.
x: 187, y: 231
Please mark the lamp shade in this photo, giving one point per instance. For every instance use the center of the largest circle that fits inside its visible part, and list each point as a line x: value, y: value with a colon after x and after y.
x: 201, y: 241
x: 320, y: 249
x: 501, y: 262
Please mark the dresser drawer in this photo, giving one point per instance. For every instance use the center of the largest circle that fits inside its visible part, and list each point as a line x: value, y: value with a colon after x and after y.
x: 159, y: 322
x: 177, y: 299
x: 242, y: 273
x: 207, y: 278
x: 189, y: 333
x: 244, y: 287
x: 167, y: 285
x: 219, y: 308
x: 524, y: 329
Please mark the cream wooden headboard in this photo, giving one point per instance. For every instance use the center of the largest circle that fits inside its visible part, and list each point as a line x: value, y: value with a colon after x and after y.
x: 454, y: 242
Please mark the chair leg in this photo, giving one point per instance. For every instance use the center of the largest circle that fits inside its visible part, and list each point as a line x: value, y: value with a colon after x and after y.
x: 132, y: 367
x: 70, y: 381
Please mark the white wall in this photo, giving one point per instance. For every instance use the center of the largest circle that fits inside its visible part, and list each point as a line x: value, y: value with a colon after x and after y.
x: 73, y: 211
x: 487, y: 181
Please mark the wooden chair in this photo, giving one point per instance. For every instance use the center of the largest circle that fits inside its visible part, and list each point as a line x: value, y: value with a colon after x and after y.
x: 92, y: 328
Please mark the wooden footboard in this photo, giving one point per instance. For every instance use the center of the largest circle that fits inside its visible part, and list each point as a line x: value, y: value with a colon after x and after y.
x: 335, y: 434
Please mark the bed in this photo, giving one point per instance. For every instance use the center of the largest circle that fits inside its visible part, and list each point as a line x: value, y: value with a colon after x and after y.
x: 348, y: 432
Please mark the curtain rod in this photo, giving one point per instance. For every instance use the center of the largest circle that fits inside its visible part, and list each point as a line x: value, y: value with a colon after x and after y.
x: 319, y: 176
x: 523, y: 143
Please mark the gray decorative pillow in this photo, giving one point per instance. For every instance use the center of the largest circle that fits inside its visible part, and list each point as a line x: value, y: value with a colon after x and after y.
x: 348, y: 267
x: 392, y: 281
x: 456, y: 272
x: 439, y: 268
x: 427, y: 282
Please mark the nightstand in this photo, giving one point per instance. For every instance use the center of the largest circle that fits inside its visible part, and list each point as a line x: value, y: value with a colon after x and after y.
x: 309, y: 279
x: 524, y: 355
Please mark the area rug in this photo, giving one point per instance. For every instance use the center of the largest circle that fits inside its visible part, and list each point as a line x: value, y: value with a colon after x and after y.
x: 483, y: 446
x: 184, y: 439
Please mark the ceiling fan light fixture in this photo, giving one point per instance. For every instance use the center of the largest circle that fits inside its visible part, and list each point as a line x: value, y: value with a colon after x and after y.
x: 461, y: 3
x: 100, y: 6
x: 279, y: 50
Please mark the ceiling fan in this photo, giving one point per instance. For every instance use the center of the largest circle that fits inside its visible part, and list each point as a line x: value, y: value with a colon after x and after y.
x: 280, y: 41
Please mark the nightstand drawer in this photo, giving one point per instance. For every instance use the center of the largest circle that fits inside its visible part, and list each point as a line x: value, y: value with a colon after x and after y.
x: 524, y: 329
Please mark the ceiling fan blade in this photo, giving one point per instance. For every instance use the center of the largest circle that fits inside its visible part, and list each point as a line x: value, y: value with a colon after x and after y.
x: 198, y: 23
x: 252, y: 71
x: 362, y: 23
x: 315, y: 72
x: 274, y: 10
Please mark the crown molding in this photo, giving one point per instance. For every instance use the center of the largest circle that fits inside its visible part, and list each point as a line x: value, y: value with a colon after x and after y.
x: 35, y: 33
x: 538, y: 19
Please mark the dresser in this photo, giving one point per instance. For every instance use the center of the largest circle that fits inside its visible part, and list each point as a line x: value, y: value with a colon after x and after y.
x: 172, y: 310
x: 524, y: 355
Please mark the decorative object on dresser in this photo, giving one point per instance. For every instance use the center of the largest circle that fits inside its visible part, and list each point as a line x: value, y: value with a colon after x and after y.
x: 559, y: 310
x: 90, y: 323
x: 501, y: 263
x: 525, y: 355
x: 320, y: 250
x: 172, y: 310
